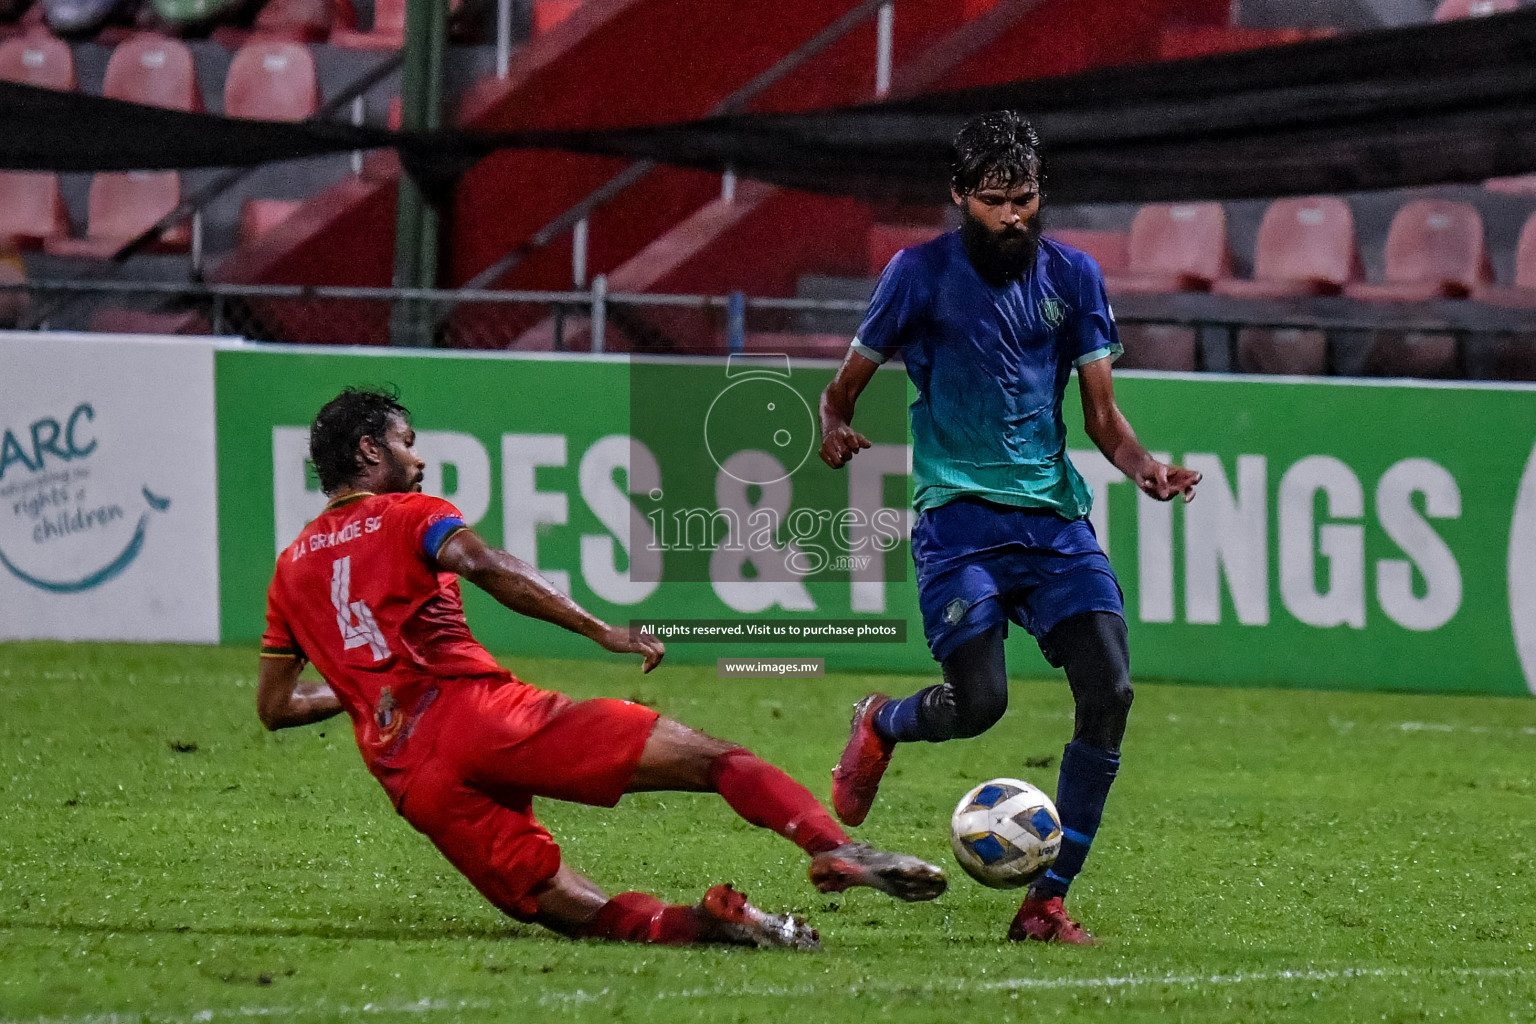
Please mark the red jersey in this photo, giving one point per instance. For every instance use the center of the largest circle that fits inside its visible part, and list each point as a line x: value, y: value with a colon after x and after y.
x: 360, y: 595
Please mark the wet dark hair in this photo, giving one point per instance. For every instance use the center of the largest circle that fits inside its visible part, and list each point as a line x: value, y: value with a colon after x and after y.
x: 344, y: 421
x: 1000, y: 147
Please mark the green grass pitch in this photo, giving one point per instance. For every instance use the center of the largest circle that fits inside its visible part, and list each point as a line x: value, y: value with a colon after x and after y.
x: 1266, y: 856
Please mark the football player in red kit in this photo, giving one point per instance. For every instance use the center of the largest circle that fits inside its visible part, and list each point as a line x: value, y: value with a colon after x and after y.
x: 369, y: 594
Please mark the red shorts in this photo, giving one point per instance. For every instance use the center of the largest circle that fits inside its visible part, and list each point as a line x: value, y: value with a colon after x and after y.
x: 494, y: 747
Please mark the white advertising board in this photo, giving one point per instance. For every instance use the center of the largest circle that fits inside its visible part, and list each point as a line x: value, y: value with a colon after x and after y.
x: 108, y: 488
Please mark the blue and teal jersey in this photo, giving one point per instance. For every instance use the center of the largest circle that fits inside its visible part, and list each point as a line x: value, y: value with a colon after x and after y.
x: 991, y: 365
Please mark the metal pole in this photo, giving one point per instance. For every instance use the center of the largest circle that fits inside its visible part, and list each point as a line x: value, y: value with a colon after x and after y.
x: 416, y: 222
x: 885, y: 40
x: 196, y: 254
x: 359, y: 118
x: 503, y: 37
x: 579, y: 254
x: 736, y: 321
x: 599, y: 312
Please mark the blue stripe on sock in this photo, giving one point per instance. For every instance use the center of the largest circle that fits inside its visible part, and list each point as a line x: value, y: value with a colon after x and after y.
x: 1053, y: 876
x: 897, y: 719
x: 1076, y: 836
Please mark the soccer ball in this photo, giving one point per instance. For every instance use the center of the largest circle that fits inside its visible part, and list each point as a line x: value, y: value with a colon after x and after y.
x: 1006, y: 833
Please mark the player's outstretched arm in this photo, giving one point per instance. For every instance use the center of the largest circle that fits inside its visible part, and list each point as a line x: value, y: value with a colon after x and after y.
x: 282, y: 701
x: 1109, y: 429
x: 519, y: 586
x: 839, y: 441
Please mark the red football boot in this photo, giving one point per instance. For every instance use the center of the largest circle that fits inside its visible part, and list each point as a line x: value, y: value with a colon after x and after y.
x: 856, y: 778
x: 895, y: 874
x: 726, y: 916
x: 1047, y: 921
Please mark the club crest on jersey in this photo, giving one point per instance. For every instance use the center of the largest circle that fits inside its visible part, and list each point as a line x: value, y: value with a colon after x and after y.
x: 1053, y: 311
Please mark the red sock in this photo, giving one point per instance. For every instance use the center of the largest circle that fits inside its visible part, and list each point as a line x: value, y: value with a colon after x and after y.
x: 639, y: 917
x: 768, y: 798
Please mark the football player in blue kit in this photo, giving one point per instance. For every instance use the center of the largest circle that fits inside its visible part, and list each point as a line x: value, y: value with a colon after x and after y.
x: 991, y: 320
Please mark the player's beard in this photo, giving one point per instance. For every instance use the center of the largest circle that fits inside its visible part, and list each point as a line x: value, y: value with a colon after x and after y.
x: 1000, y: 257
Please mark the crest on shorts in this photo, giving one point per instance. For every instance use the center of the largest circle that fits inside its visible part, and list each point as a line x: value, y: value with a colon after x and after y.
x: 955, y: 610
x: 1053, y: 311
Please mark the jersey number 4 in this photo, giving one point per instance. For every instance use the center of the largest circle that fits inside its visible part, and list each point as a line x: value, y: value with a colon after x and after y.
x: 358, y: 627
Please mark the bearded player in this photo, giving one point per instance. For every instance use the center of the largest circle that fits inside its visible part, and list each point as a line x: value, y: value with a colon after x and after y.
x: 369, y: 594
x: 991, y: 320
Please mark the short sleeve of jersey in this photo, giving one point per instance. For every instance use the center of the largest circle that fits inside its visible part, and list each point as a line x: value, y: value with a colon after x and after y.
x: 1092, y: 334
x: 896, y: 303
x: 430, y: 522
x: 278, y: 641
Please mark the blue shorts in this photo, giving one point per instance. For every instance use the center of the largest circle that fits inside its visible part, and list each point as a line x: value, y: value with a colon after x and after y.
x: 980, y: 564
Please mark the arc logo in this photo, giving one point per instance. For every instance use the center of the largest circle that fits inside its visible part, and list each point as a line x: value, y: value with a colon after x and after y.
x: 1522, y: 572
x: 64, y: 522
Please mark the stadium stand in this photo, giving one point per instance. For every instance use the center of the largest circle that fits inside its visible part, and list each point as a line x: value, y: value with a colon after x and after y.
x: 386, y: 33
x: 1450, y: 10
x: 1434, y: 249
x: 32, y: 209
x: 549, y: 13
x: 1110, y: 249
x: 143, y: 69
x: 886, y: 240
x: 1304, y: 247
x: 79, y: 18
x: 1174, y: 247
x: 304, y: 21
x: 1523, y: 292
x: 270, y: 80
x: 12, y: 304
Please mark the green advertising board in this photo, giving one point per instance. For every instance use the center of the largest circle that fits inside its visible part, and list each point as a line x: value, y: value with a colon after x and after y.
x: 1346, y: 535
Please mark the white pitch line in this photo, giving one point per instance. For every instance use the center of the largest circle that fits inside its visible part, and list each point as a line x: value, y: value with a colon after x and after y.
x: 431, y: 1006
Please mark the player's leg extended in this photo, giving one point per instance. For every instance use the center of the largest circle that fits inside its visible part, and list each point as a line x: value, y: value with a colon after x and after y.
x: 1093, y: 649
x: 573, y: 905
x: 679, y: 758
x: 971, y: 699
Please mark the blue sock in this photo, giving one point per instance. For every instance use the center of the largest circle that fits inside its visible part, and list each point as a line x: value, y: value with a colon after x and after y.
x: 1081, y: 789
x: 897, y: 719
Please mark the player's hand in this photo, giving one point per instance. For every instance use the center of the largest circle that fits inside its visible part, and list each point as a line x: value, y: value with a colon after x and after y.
x: 840, y: 444
x: 1162, y: 481
x: 622, y: 640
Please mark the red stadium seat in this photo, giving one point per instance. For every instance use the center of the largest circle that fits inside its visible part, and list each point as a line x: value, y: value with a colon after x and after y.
x: 38, y: 59
x: 272, y: 81
x: 886, y: 240
x: 143, y: 69
x: 1435, y: 249
x: 122, y: 206
x: 1157, y: 347
x: 549, y: 13
x: 1305, y: 247
x: 1450, y: 10
x: 258, y: 216
x: 1523, y: 293
x: 1281, y: 350
x: 154, y: 70
x: 1176, y: 247
x: 387, y: 33
x: 1109, y: 249
x: 32, y: 209
x: 304, y: 21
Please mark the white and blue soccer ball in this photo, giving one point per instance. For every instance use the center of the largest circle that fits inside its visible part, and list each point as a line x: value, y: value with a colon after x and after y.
x: 1006, y: 833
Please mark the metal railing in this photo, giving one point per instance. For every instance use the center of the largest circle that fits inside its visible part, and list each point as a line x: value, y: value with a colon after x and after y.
x: 595, y: 319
